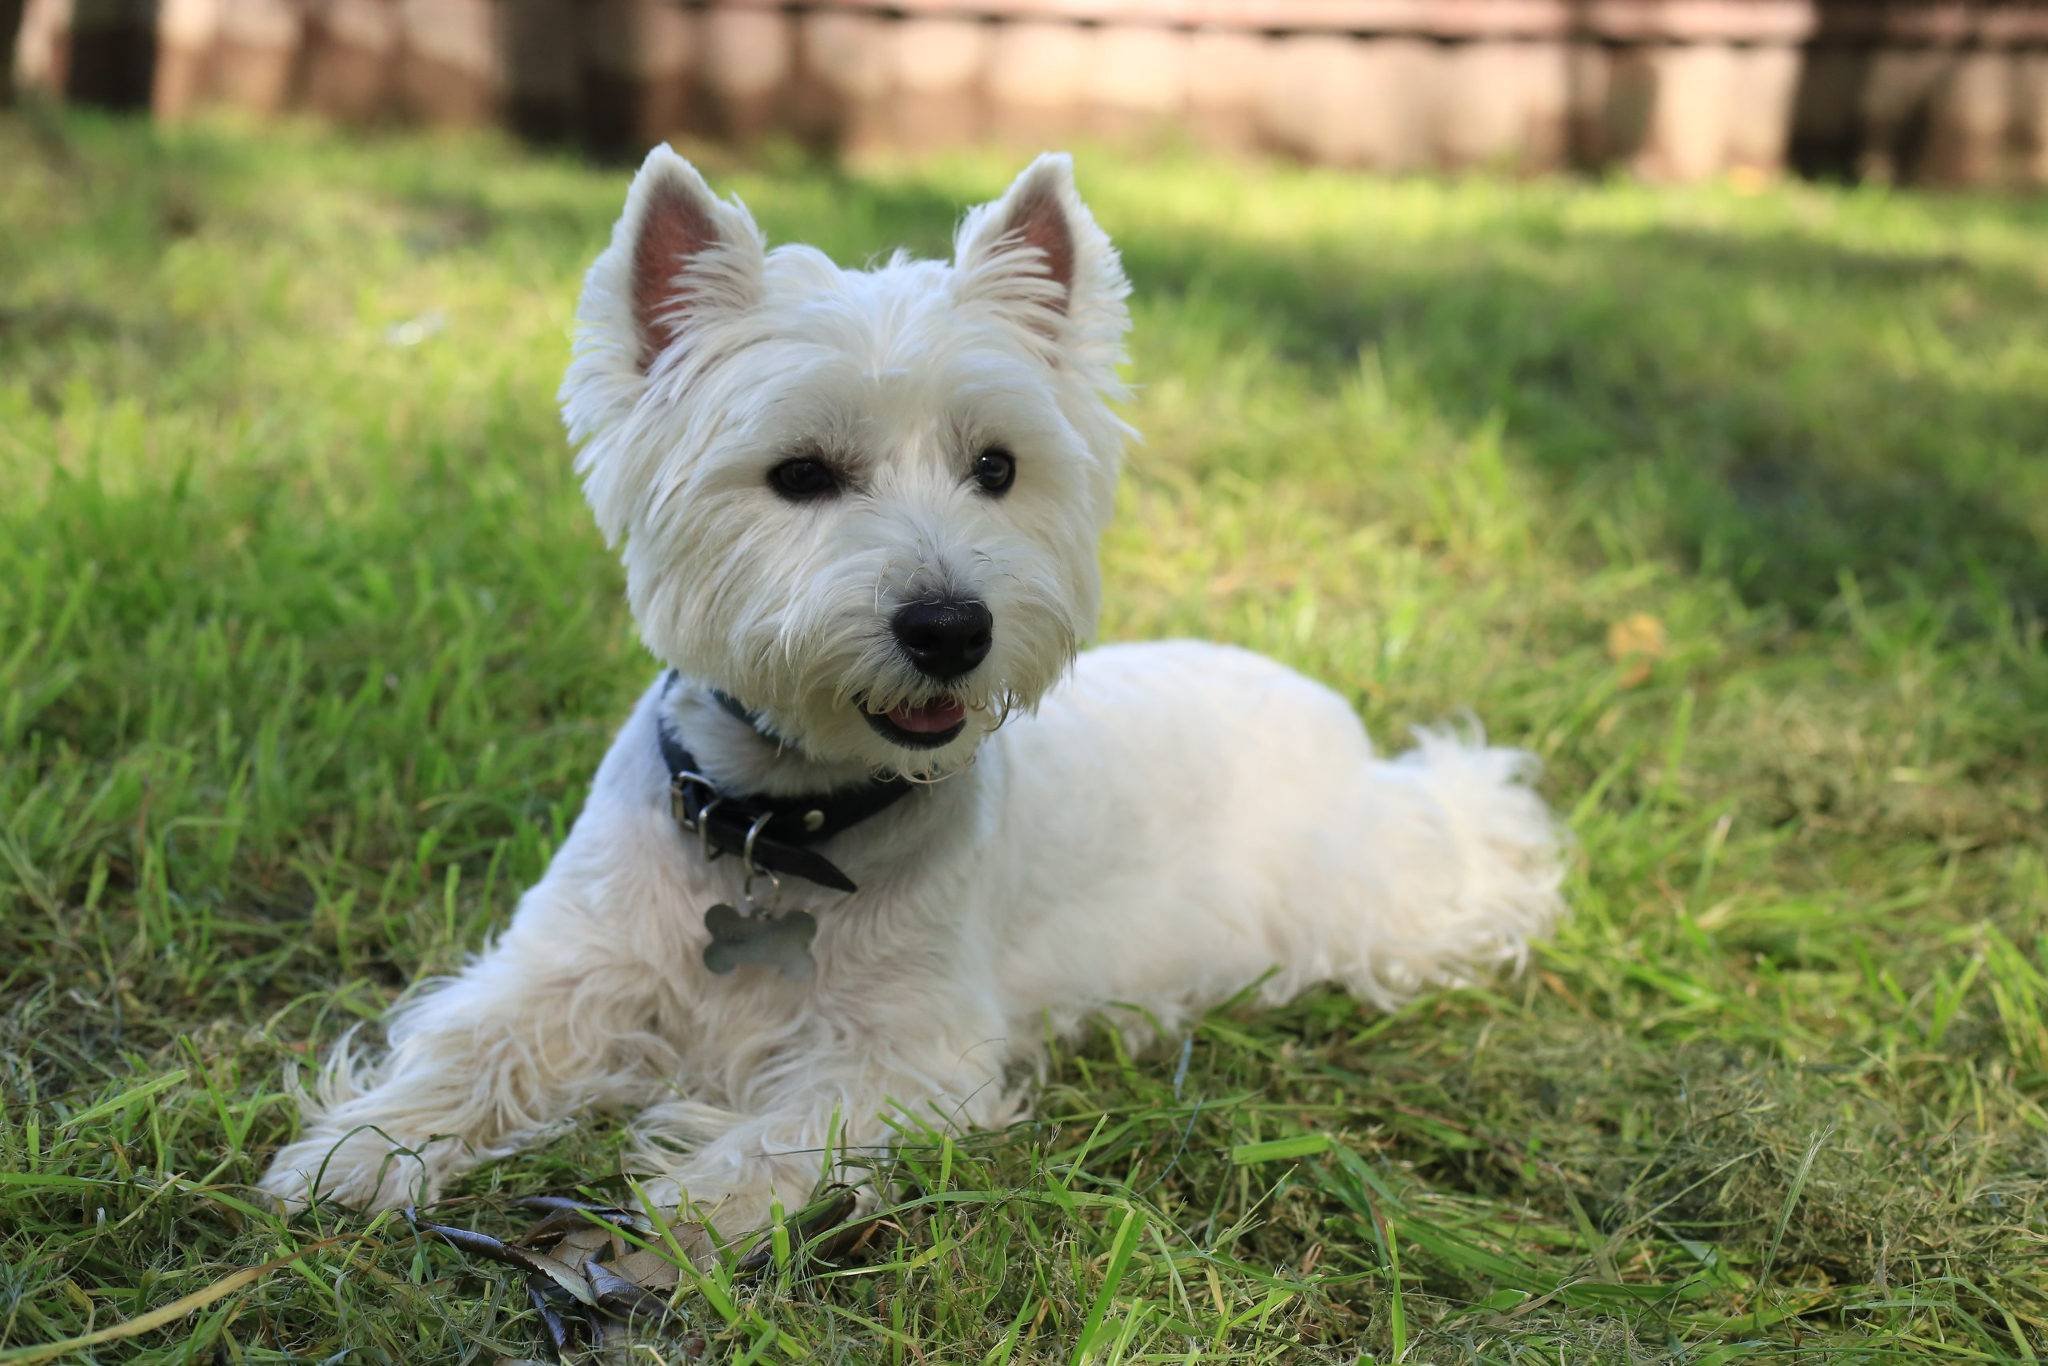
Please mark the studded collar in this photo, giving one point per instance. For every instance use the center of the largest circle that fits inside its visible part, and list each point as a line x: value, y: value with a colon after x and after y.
x: 780, y: 830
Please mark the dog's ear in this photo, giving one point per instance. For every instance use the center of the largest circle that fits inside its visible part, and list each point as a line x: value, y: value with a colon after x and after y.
x: 679, y: 254
x: 683, y: 267
x: 1037, y: 254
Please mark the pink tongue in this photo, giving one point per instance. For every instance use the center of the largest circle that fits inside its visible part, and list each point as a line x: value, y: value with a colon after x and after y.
x: 930, y: 718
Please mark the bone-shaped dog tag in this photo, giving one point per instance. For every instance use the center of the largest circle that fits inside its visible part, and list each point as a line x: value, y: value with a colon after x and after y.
x: 779, y: 940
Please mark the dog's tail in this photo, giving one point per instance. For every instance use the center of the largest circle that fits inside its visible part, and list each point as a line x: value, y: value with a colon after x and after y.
x: 1464, y: 863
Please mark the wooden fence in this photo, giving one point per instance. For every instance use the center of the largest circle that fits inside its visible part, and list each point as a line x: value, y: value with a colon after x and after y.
x: 1951, y: 91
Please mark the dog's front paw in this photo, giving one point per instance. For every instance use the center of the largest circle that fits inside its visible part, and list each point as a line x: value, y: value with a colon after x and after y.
x: 360, y: 1168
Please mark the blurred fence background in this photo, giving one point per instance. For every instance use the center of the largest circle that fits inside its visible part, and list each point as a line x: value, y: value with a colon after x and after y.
x: 1932, y: 91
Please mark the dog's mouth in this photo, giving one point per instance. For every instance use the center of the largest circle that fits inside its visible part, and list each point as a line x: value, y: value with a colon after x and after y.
x: 926, y: 725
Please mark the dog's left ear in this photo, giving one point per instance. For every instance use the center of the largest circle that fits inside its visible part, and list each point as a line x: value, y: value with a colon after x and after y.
x: 1038, y: 255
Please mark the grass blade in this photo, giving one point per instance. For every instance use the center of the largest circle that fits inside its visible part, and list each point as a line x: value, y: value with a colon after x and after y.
x: 1120, y: 1250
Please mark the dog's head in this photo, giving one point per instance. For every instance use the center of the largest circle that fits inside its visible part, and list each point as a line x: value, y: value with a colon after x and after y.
x: 865, y: 503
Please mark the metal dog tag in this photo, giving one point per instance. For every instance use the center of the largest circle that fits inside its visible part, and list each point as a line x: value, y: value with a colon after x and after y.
x: 775, y: 939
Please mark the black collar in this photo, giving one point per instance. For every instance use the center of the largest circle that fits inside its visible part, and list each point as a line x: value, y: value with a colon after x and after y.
x: 783, y: 828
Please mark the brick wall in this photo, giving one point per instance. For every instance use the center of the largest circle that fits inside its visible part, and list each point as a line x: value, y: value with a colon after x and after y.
x: 1947, y: 91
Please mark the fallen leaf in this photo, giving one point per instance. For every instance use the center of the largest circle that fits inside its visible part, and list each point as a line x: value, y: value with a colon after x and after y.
x: 551, y: 1320
x: 646, y: 1267
x: 584, y: 1279
x: 525, y: 1258
x: 620, y: 1296
x: 590, y: 1240
x: 1636, y: 643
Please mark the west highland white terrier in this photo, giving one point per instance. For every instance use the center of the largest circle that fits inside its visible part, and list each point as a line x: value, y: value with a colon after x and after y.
x: 819, y: 884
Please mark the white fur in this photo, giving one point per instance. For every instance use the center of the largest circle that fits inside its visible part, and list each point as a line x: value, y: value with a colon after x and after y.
x: 1157, y: 827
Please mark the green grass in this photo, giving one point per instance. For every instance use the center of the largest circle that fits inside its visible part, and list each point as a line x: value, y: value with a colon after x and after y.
x: 308, y: 650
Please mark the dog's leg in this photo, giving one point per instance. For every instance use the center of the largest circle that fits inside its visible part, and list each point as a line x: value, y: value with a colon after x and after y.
x: 832, y: 1109
x: 553, y: 1017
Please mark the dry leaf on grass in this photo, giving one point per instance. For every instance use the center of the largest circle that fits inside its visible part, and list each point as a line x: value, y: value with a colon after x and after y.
x: 1636, y: 643
x: 527, y: 1259
x: 586, y: 1279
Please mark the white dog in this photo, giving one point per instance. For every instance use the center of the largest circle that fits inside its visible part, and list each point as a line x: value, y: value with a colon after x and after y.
x: 859, y: 512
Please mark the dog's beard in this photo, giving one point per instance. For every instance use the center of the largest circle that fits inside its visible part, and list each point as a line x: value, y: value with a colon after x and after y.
x: 847, y: 708
x: 816, y: 690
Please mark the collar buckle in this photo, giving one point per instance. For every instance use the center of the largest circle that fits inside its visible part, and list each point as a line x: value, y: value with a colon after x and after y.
x: 679, y: 784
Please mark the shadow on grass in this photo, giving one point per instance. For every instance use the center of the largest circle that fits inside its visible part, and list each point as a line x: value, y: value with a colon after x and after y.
x: 1626, y: 364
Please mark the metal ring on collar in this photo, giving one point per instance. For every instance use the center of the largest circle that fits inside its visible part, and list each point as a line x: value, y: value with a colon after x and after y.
x: 753, y: 832
x: 711, y: 852
x: 753, y: 869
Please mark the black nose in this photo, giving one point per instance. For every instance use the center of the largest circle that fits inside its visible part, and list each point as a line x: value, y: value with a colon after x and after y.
x: 944, y: 639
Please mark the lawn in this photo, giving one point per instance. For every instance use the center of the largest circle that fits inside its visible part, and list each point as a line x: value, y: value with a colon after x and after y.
x: 1730, y: 502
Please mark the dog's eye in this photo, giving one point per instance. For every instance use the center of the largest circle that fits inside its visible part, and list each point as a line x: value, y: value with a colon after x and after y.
x: 803, y: 478
x: 995, y: 469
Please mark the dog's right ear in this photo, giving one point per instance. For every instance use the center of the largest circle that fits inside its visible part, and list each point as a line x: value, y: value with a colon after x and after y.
x: 682, y: 265
x: 679, y: 255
